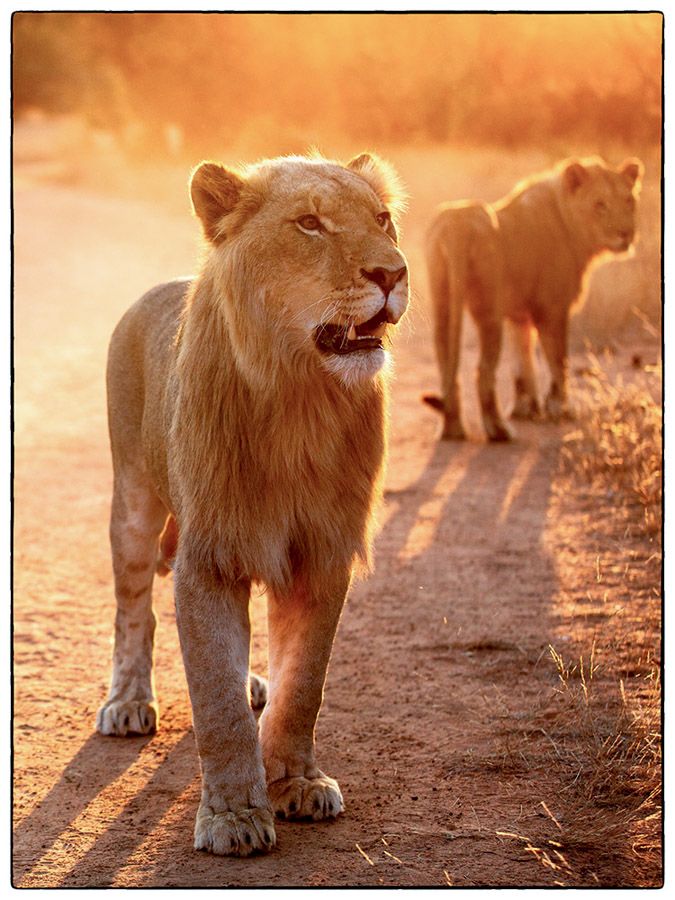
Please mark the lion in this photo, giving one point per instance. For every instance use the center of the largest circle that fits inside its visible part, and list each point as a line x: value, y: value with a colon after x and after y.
x: 247, y: 413
x: 525, y: 259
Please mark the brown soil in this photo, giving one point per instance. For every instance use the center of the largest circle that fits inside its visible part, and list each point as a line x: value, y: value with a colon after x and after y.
x: 440, y: 679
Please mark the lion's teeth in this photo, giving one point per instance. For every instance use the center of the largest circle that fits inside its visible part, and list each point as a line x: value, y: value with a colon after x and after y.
x: 351, y: 334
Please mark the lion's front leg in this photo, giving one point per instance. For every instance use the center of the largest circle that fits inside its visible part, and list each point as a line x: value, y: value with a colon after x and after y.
x: 301, y: 631
x: 526, y: 403
x: 234, y: 815
x: 553, y: 337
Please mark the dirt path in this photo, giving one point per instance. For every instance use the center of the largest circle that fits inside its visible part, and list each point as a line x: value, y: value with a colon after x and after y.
x: 439, y: 656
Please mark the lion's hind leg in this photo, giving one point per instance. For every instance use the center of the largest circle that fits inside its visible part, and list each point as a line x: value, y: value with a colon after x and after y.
x: 137, y: 518
x: 490, y: 334
x: 446, y: 286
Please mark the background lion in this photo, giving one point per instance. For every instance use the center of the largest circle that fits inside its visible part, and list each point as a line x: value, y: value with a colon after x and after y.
x: 525, y: 258
x: 247, y: 417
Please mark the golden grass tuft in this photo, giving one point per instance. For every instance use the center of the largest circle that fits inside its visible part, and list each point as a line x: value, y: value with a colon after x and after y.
x: 617, y: 444
x: 611, y: 746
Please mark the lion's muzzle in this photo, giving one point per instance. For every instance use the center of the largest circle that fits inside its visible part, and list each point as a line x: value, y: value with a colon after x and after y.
x: 385, y: 279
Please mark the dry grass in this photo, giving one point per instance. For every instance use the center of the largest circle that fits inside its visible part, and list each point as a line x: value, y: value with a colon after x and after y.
x: 611, y: 744
x: 603, y: 752
x: 606, y: 729
x: 617, y: 446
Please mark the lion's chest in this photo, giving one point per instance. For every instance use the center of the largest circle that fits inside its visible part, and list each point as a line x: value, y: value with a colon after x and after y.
x: 285, y: 493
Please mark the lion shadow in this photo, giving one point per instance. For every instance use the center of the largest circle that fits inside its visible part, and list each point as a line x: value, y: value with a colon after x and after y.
x: 54, y: 820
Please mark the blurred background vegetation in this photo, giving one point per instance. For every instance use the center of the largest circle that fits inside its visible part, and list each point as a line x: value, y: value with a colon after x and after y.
x: 496, y: 79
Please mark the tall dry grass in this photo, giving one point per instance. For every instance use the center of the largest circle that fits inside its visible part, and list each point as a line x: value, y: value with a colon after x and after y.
x: 618, y: 443
x: 610, y: 743
x: 607, y: 724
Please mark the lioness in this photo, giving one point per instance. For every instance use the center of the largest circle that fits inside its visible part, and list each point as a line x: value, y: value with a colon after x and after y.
x: 526, y: 258
x: 247, y: 423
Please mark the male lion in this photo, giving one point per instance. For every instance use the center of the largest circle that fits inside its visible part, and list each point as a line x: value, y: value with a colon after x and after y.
x: 527, y: 258
x: 247, y: 420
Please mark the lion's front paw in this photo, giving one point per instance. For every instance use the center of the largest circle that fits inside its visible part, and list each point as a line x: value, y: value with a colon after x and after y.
x: 238, y: 833
x: 557, y: 410
x: 526, y: 407
x: 306, y: 798
x: 258, y: 691
x: 122, y: 717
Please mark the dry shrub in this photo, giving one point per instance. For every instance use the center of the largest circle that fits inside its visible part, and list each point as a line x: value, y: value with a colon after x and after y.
x: 617, y: 445
x: 500, y: 80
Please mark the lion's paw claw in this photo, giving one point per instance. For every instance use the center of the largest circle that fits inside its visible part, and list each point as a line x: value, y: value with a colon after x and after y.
x: 306, y: 798
x: 122, y: 717
x: 238, y: 833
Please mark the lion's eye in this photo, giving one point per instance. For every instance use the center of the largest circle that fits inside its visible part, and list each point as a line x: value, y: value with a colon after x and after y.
x: 384, y: 218
x: 309, y: 223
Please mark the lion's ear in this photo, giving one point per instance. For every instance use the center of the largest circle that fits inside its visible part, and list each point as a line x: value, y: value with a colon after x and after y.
x: 632, y: 170
x: 382, y: 178
x: 574, y: 175
x: 361, y: 162
x: 215, y: 191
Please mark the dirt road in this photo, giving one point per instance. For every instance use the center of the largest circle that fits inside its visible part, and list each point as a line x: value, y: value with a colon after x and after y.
x: 439, y: 655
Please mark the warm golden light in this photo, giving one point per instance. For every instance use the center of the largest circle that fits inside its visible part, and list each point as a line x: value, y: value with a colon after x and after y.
x: 493, y: 703
x: 207, y: 79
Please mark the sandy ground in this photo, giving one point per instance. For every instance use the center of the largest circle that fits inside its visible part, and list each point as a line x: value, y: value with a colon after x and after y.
x: 439, y: 655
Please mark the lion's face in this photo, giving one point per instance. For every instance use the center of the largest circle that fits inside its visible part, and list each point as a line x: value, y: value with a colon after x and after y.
x: 318, y: 241
x: 604, y: 201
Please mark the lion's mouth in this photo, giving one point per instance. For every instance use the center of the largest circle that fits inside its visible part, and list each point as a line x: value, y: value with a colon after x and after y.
x: 344, y: 339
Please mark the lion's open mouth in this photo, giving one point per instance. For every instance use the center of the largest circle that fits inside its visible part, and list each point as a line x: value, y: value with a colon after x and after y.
x: 343, y: 339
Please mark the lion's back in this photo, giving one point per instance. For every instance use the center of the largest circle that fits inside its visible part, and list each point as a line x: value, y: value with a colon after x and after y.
x: 532, y: 238
x: 460, y: 224
x: 141, y: 358
x: 462, y: 244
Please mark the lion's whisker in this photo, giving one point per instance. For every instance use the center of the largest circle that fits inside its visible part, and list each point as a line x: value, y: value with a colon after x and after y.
x: 309, y: 306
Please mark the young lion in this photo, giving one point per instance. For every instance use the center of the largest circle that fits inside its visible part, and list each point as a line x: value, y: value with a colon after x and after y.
x: 247, y: 420
x: 526, y: 258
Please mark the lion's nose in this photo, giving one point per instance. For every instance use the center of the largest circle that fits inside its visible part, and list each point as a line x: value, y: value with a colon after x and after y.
x: 385, y: 279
